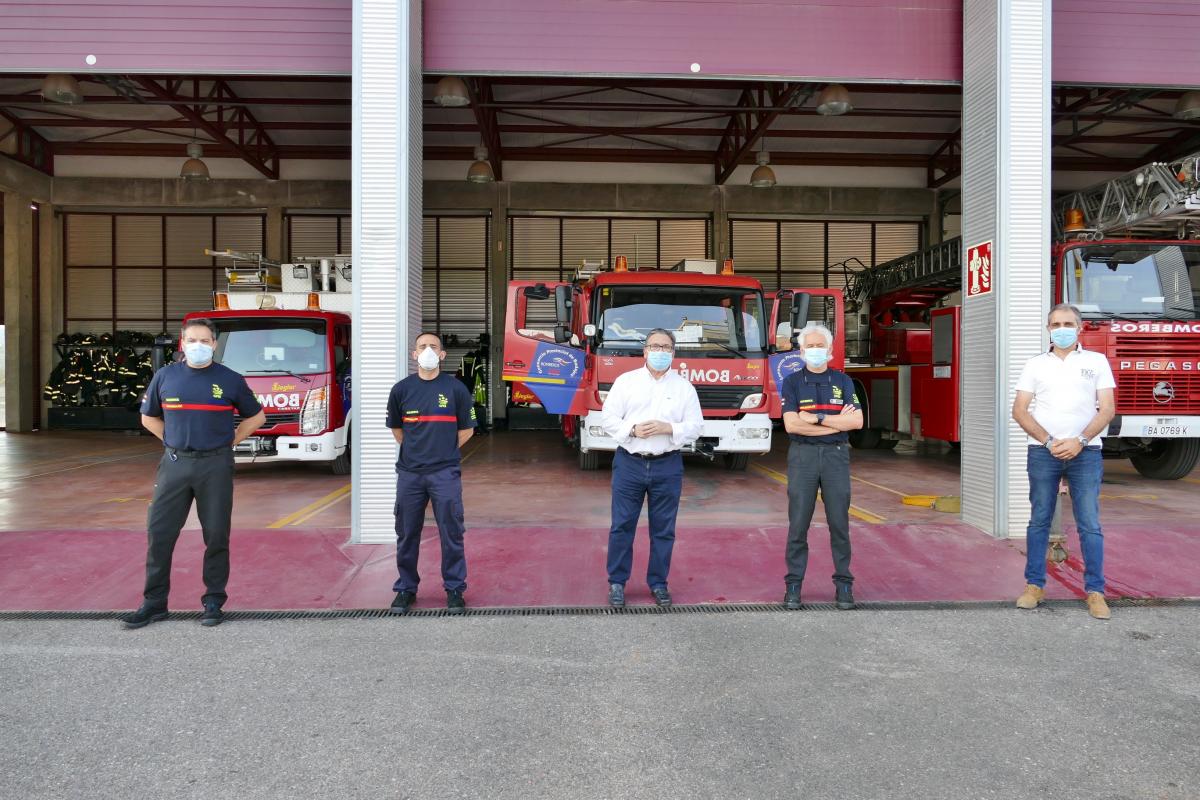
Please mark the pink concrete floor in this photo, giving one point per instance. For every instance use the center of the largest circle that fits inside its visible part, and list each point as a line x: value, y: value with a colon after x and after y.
x: 72, y: 508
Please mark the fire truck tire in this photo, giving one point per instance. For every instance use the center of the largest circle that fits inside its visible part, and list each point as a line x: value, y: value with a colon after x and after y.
x: 737, y: 462
x: 888, y: 444
x: 341, y: 464
x: 1168, y: 460
x: 589, y: 461
x: 865, y: 438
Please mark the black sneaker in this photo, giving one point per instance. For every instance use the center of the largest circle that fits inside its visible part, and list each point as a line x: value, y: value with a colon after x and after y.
x: 403, y: 602
x: 455, y: 603
x: 616, y: 595
x: 212, y: 615
x: 662, y: 597
x: 845, y: 597
x: 791, y: 599
x: 144, y: 616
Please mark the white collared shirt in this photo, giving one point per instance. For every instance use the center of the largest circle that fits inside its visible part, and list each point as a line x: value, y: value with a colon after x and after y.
x: 638, y: 396
x: 1065, y: 391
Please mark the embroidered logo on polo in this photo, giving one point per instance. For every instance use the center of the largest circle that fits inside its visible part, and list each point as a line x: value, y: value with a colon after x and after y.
x: 218, y: 392
x: 442, y: 401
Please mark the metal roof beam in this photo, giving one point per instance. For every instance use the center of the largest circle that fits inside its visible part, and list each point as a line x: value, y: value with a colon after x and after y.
x: 480, y: 92
x: 31, y: 148
x: 757, y: 109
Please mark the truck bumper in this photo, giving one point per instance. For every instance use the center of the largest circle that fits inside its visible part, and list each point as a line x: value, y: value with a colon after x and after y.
x: 750, y: 434
x: 1160, y: 426
x: 258, y: 449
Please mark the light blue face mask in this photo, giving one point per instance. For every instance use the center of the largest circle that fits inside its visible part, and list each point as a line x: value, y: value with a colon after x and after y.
x: 659, y: 361
x: 1064, y: 337
x: 197, y: 353
x: 816, y: 356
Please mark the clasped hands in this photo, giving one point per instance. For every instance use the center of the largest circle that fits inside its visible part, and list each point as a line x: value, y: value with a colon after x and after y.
x: 810, y: 418
x: 644, y: 430
x: 1065, y: 449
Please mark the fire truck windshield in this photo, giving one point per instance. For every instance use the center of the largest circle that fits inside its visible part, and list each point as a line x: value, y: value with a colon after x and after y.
x: 276, y: 345
x: 702, y: 318
x: 1134, y: 280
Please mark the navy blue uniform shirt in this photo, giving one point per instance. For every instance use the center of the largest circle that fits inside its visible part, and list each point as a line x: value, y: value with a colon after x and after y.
x: 431, y: 413
x: 197, y: 405
x: 825, y: 393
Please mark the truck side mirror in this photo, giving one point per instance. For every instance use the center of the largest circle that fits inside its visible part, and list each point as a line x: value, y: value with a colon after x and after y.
x: 801, y: 302
x: 563, y: 301
x: 537, y: 292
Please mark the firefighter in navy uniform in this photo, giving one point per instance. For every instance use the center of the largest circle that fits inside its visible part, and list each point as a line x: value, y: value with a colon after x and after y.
x: 819, y: 407
x: 431, y: 416
x: 190, y: 406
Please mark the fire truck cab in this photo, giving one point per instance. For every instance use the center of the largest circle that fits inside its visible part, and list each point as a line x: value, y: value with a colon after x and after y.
x: 566, y: 343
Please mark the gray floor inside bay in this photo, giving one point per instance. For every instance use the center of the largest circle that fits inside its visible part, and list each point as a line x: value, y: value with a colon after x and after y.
x: 945, y: 704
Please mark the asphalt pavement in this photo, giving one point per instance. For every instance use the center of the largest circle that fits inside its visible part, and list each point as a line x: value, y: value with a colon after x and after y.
x: 868, y: 704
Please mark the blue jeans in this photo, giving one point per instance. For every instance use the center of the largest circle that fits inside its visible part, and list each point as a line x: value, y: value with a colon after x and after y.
x: 657, y: 483
x: 1083, y: 474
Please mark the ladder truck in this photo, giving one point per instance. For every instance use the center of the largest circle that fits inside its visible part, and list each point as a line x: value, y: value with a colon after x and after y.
x: 1126, y: 253
x: 286, y: 329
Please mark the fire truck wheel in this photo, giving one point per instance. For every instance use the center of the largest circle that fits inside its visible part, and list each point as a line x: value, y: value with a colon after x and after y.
x: 590, y: 460
x: 341, y: 464
x: 865, y: 438
x: 737, y: 462
x: 888, y: 444
x: 1168, y: 460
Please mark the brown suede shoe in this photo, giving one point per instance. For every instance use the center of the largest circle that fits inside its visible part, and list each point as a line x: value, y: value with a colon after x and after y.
x: 1032, y: 597
x: 1096, y: 606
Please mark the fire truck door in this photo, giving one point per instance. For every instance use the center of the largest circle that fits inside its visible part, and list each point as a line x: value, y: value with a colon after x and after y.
x: 791, y: 311
x: 543, y: 358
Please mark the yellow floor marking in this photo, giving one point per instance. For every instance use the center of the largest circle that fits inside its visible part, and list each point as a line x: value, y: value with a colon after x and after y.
x: 1191, y: 480
x: 311, y: 508
x: 472, y: 452
x: 345, y: 495
x: 1105, y: 496
x: 81, y: 466
x: 877, y: 486
x: 855, y: 511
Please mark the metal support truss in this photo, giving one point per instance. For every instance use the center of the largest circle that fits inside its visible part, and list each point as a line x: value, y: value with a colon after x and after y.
x: 483, y: 104
x: 758, y: 107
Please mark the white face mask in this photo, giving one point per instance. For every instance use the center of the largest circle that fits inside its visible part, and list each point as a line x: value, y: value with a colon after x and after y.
x: 428, y: 359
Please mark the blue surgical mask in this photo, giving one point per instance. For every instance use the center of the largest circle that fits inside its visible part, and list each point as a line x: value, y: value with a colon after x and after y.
x: 1064, y: 337
x: 197, y: 353
x: 816, y: 356
x: 659, y: 361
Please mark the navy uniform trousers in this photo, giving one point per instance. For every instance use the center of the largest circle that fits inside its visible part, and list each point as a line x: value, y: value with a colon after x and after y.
x: 658, y: 483
x: 205, y: 476
x: 813, y: 467
x: 414, y: 492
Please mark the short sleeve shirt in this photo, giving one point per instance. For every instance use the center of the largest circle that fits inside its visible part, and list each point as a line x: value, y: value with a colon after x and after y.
x: 431, y: 413
x: 198, y: 405
x: 827, y: 392
x: 1065, y: 391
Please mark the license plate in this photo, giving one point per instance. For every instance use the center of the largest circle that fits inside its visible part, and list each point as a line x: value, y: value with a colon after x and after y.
x: 1169, y: 431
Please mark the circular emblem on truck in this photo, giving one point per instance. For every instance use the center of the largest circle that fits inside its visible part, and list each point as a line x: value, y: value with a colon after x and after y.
x: 1163, y: 392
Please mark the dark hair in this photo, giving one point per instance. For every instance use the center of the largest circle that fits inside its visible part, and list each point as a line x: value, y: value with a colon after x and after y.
x: 429, y: 333
x: 664, y: 332
x: 200, y: 322
x: 1066, y: 307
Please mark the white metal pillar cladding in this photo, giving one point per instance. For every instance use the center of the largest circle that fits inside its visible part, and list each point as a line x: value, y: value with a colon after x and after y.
x: 386, y: 208
x: 1006, y: 200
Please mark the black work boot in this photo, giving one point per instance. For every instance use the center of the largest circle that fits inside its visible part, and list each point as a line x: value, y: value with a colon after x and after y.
x: 616, y: 595
x: 455, y: 603
x: 662, y: 597
x: 845, y: 597
x: 791, y: 599
x: 212, y: 615
x: 402, y: 603
x: 144, y: 616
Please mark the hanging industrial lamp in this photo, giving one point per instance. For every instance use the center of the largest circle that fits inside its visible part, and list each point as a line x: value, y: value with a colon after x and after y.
x: 1188, y: 106
x: 834, y: 101
x: 59, y: 88
x: 194, y: 169
x: 763, y: 176
x: 481, y: 170
x: 451, y: 92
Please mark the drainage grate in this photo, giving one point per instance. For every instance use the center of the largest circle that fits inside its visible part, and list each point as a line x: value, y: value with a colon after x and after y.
x: 598, y: 611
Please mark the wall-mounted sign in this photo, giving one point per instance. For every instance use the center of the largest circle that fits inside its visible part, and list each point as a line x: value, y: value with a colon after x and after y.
x: 979, y: 269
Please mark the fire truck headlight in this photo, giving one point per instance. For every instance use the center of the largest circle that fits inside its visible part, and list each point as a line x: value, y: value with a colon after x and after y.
x: 315, y: 416
x: 602, y: 394
x: 753, y: 400
x: 754, y: 433
x: 597, y: 431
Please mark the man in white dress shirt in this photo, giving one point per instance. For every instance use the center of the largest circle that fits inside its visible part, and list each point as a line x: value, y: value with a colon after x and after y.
x: 651, y: 413
x: 1071, y: 391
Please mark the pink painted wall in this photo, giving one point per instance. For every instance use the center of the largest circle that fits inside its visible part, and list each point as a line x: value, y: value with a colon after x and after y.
x: 848, y: 39
x: 216, y: 36
x: 1133, y: 42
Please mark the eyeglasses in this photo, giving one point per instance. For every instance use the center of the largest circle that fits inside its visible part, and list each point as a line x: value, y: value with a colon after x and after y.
x: 660, y: 348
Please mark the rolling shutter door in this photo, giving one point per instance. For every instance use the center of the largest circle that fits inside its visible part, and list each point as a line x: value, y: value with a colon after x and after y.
x: 455, y: 300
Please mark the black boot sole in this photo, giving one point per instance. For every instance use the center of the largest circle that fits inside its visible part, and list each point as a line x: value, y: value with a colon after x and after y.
x: 212, y: 623
x: 791, y: 605
x: 399, y: 611
x: 456, y: 610
x: 152, y: 618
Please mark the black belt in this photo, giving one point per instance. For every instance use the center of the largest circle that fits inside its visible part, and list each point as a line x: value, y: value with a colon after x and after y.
x: 650, y: 456
x: 815, y: 442
x: 197, y: 453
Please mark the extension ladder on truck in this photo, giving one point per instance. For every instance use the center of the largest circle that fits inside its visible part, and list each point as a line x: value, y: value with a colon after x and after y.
x: 937, y: 266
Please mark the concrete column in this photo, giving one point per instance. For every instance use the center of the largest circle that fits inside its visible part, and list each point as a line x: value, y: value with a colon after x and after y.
x: 20, y: 337
x: 276, y: 246
x: 1006, y: 200
x: 50, y: 292
x: 386, y: 211
x: 498, y: 286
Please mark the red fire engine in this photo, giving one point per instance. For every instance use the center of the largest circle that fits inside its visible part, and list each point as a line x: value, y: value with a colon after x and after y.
x: 565, y: 343
x: 1126, y: 255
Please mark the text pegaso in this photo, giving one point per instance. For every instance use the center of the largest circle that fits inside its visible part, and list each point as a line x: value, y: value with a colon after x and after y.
x: 1161, y: 366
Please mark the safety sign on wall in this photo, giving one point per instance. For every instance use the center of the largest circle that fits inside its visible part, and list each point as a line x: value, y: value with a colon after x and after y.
x: 979, y: 269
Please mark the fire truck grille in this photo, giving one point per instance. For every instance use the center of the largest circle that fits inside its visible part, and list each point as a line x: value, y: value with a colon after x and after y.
x: 1158, y: 393
x: 725, y: 397
x: 1148, y: 347
x: 283, y: 418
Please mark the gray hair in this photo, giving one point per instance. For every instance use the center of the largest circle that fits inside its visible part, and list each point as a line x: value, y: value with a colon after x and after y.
x: 664, y: 332
x: 1066, y: 307
x: 816, y: 327
x: 201, y: 322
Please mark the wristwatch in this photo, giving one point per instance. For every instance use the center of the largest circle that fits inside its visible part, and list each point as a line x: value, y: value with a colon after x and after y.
x: 820, y: 418
x: 1083, y: 441
x: 1049, y: 441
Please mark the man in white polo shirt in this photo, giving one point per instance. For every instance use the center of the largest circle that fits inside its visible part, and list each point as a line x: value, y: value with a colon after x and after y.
x: 1071, y: 393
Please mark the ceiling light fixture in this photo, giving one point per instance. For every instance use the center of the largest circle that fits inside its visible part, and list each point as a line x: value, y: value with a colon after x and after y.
x: 834, y: 101
x: 194, y: 169
x: 763, y: 176
x: 451, y: 92
x: 1188, y: 106
x: 481, y: 170
x: 60, y: 88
